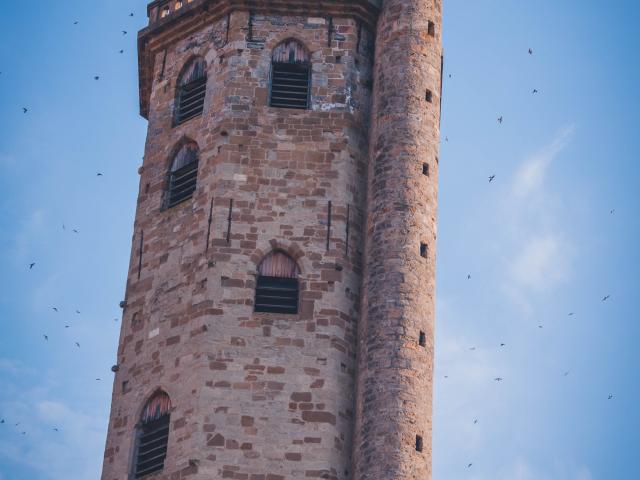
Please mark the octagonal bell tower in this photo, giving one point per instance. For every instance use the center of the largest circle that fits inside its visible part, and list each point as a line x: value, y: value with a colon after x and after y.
x: 278, y: 316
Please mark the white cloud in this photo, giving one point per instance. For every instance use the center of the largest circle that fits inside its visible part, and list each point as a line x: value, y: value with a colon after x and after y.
x: 531, y: 175
x: 540, y: 253
x: 14, y: 367
x: 543, y: 262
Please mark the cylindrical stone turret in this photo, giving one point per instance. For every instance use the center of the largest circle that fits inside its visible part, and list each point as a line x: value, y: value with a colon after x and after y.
x: 396, y: 332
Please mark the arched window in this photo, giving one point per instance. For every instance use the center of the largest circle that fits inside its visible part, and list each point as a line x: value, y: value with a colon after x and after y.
x: 192, y: 88
x: 290, y: 76
x: 277, y: 288
x: 153, y: 436
x: 183, y: 175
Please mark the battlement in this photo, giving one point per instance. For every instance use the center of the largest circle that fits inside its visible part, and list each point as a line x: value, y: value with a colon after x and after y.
x: 169, y: 20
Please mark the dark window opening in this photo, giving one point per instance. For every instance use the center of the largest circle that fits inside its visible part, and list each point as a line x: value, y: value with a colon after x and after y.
x: 431, y: 29
x: 429, y: 96
x: 425, y: 169
x: 277, y: 288
x: 153, y: 436
x: 423, y: 339
x: 192, y: 89
x: 424, y: 250
x: 290, y: 76
x: 419, y: 443
x: 183, y: 176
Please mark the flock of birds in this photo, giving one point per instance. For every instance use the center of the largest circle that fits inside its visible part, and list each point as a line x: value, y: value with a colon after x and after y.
x: 492, y: 178
x: 32, y: 265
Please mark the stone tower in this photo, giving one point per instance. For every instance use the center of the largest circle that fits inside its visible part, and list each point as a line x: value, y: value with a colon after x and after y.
x: 279, y: 311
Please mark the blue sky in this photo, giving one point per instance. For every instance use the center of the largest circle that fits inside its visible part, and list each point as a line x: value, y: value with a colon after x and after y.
x: 540, y: 241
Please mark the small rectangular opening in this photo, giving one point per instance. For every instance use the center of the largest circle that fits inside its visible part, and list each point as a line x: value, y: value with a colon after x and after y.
x: 125, y: 386
x: 419, y: 443
x: 425, y: 169
x: 431, y: 28
x: 423, y: 339
x: 429, y: 96
x: 424, y: 250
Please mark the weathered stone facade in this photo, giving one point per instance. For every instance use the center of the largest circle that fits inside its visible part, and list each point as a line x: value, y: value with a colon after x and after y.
x: 340, y: 390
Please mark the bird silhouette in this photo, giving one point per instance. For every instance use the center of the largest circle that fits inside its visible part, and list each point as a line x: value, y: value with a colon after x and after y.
x: 77, y: 344
x: 76, y: 22
x: 46, y: 337
x: 78, y: 312
x: 2, y: 421
x: 54, y: 309
x: 607, y: 297
x: 610, y: 397
x: 469, y: 277
x: 97, y: 77
x: 530, y: 51
x: 121, y: 51
x: 76, y: 231
x: 131, y: 14
x: 492, y: 178
x: 571, y: 314
x: 500, y: 119
x: 612, y: 212
x: 534, y: 91
x: 566, y: 374
x: 98, y: 379
x: 498, y: 379
x: 25, y: 109
x: 31, y: 265
x: 475, y: 422
x: 55, y: 429
x: 124, y: 32
x: 470, y: 465
x: 99, y: 174
x: 472, y: 349
x: 503, y: 344
x: 540, y: 326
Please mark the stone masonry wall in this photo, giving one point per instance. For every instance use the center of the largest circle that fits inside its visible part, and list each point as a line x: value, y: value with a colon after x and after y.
x: 254, y: 396
x: 395, y: 378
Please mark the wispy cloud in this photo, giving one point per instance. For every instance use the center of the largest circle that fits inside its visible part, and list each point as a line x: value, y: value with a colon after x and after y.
x: 540, y: 253
x: 531, y: 175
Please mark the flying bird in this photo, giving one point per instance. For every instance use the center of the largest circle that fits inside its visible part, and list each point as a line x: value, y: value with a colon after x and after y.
x: 472, y: 349
x: 124, y: 32
x: 55, y: 429
x: 77, y: 344
x: 54, y: 309
x: 612, y: 212
x: 498, y: 379
x: 25, y: 109
x: 539, y: 326
x: 571, y: 314
x: 131, y: 14
x: 604, y: 299
x: 121, y: 51
x: 76, y: 22
x: 46, y: 337
x: 2, y: 421
x: 31, y: 265
x: 475, y: 422
x: 566, y: 374
x: 98, y: 379
x: 534, y: 91
x: 503, y: 344
x: 99, y: 174
x: 469, y: 277
x: 492, y: 178
x: 470, y: 465
x: 610, y: 397
x: 76, y: 231
x: 97, y: 77
x: 530, y: 51
x: 500, y: 119
x: 78, y: 312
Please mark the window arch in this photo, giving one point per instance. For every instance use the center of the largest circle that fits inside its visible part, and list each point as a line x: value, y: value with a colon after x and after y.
x: 277, y: 288
x: 192, y: 89
x: 290, y: 76
x: 153, y: 435
x: 183, y: 174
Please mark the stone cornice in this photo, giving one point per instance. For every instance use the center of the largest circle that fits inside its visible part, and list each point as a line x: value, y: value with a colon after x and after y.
x: 162, y: 31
